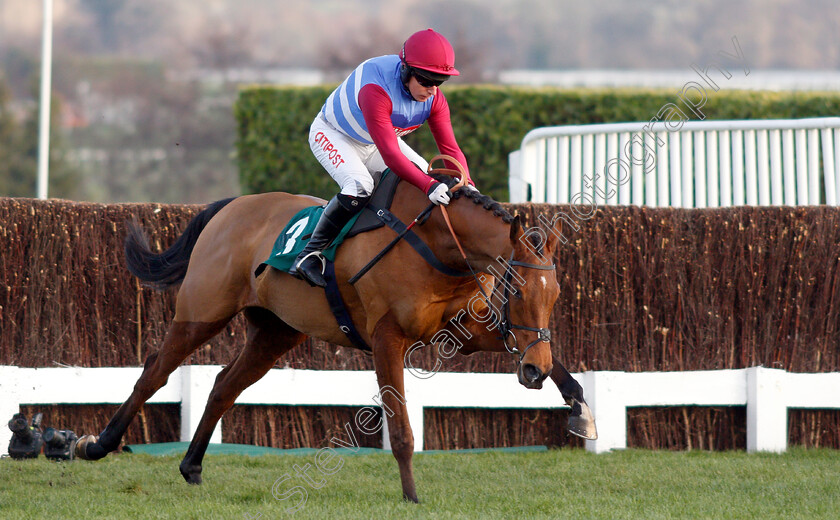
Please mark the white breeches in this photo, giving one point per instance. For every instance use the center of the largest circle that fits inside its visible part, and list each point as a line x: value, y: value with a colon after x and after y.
x: 349, y: 162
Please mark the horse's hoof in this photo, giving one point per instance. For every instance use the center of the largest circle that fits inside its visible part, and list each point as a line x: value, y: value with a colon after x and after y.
x: 413, y: 498
x: 86, y: 448
x: 583, y: 424
x: 191, y: 473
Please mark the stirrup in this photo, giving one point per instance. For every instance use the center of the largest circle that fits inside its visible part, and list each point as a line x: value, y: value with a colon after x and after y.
x: 320, y: 257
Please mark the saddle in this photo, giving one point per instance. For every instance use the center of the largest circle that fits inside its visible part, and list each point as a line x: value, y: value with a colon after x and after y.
x: 293, y: 238
x: 376, y: 213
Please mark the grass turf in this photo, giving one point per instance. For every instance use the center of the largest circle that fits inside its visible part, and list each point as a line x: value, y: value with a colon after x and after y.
x: 631, y: 484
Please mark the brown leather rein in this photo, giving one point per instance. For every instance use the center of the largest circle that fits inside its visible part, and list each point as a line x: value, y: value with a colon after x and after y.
x: 504, y: 323
x: 461, y: 173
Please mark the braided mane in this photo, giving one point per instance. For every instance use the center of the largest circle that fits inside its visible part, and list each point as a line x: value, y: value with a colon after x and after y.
x: 485, y: 201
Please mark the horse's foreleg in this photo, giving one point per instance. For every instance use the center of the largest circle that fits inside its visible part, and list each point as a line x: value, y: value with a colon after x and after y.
x: 268, y: 339
x: 182, y: 339
x: 389, y: 345
x: 581, y: 420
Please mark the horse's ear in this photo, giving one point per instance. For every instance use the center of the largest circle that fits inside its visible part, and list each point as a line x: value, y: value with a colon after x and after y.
x: 514, y: 227
x: 552, y: 240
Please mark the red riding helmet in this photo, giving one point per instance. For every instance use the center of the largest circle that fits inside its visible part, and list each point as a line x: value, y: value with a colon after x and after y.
x: 430, y: 51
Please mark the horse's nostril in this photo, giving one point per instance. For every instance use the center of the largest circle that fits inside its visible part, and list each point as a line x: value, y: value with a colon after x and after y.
x: 531, y: 373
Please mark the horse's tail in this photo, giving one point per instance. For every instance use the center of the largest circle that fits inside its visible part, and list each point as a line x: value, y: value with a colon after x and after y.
x: 168, y: 268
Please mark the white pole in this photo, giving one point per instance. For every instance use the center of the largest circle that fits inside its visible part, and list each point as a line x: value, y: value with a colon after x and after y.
x: 44, y: 122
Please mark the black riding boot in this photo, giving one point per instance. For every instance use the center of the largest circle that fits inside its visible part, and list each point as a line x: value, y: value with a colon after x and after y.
x: 309, y: 265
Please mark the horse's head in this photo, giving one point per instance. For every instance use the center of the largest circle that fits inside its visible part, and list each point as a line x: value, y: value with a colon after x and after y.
x: 526, y: 285
x: 530, y: 290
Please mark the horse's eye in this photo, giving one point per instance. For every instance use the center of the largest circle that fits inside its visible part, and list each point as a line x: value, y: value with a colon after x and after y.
x: 517, y: 293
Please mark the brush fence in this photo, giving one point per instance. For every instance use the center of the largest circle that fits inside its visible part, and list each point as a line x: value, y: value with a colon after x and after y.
x: 766, y: 393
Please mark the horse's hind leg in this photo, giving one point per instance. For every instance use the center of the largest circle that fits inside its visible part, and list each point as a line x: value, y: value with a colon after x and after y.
x: 181, y: 340
x: 268, y: 339
x: 581, y: 420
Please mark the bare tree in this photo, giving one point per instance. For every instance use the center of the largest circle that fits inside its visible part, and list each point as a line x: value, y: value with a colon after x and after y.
x: 223, y: 45
x: 349, y: 48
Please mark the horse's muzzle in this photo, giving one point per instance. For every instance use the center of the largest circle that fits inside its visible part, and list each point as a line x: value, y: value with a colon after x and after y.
x: 530, y: 376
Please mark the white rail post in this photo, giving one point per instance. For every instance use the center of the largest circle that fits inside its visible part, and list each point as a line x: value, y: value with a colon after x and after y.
x: 604, y: 393
x: 517, y: 186
x: 196, y: 383
x: 528, y: 173
x: 46, y: 101
x: 414, y: 405
x: 766, y: 410
x: 9, y: 403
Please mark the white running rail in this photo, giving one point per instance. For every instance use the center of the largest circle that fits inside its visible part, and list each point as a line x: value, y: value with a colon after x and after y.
x: 698, y: 164
x: 766, y: 393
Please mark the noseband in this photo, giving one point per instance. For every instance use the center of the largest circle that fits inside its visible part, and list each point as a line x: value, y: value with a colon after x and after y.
x: 504, y: 324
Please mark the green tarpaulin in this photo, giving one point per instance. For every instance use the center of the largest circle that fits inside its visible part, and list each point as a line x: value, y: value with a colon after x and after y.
x: 179, y: 448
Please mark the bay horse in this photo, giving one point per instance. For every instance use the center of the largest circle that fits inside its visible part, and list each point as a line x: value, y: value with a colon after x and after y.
x: 214, y: 262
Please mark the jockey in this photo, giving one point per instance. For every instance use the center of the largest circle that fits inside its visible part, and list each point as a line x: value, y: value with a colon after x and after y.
x: 359, y: 129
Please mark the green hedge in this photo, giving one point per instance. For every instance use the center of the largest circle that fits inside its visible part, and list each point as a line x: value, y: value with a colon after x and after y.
x: 489, y: 123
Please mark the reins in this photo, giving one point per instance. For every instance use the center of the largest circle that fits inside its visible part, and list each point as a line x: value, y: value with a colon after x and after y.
x: 504, y: 324
x: 420, y: 218
x: 462, y: 181
x: 423, y: 214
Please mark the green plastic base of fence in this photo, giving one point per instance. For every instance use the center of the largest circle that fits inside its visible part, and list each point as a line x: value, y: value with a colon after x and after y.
x: 179, y: 448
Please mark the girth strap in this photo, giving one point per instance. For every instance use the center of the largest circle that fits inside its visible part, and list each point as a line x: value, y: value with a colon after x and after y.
x: 339, y: 309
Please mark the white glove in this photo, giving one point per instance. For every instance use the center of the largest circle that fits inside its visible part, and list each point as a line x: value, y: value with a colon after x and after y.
x: 470, y: 187
x: 440, y: 194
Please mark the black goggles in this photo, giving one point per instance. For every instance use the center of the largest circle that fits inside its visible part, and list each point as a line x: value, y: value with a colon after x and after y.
x: 428, y: 82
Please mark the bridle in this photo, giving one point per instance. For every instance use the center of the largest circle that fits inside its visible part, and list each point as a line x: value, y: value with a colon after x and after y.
x: 506, y: 328
x: 504, y: 324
